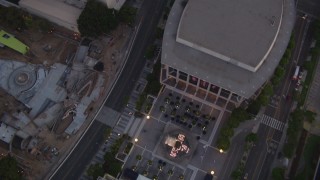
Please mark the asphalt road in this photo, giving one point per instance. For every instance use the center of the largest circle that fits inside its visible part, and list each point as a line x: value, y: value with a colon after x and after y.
x: 263, y: 154
x: 310, y: 7
x: 149, y: 14
x: 82, y: 155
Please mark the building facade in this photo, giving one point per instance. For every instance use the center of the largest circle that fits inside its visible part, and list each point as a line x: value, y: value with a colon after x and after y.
x: 221, y: 51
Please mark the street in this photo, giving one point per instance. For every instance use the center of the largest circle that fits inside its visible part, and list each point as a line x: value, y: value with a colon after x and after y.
x: 88, y: 146
x: 150, y: 14
x: 263, y: 154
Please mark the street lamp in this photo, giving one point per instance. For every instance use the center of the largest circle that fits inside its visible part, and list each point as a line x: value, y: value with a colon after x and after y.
x: 212, y: 172
x: 148, y: 117
x: 221, y: 151
x: 136, y: 140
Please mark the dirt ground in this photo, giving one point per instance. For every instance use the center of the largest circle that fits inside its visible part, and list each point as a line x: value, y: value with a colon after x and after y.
x: 44, y: 48
x: 48, y: 49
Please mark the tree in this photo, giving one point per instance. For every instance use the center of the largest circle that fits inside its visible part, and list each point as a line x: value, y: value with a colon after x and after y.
x: 9, y: 168
x: 227, y: 132
x: 263, y: 99
x: 159, y: 33
x: 96, y: 19
x: 162, y: 109
x: 150, y: 51
x: 278, y: 173
x: 95, y: 170
x: 233, y: 122
x: 12, y: 17
x: 317, y: 30
x: 138, y: 157
x: 127, y: 14
x: 223, y: 143
x: 252, y: 137
x: 254, y: 107
x: 145, y: 173
x: 236, y: 174
x: 288, y: 149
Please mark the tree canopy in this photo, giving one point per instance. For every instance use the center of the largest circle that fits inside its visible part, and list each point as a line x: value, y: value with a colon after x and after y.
x: 9, y: 168
x: 96, y: 19
x: 95, y: 170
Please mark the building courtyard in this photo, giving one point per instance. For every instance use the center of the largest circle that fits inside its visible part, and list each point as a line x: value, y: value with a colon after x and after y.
x: 176, y: 139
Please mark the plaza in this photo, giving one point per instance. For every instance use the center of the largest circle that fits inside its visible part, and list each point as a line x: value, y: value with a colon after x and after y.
x: 174, y: 118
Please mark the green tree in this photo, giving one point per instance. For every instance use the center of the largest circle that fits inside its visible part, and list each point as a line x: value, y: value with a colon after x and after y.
x: 268, y: 89
x: 150, y: 51
x: 159, y: 33
x: 252, y: 137
x: 96, y: 19
x: 279, y: 72
x: 254, y: 107
x: 278, y: 173
x: 288, y: 149
x: 223, y: 143
x: 9, y: 168
x: 240, y: 114
x: 95, y: 170
x: 138, y: 157
x: 127, y: 14
x: 263, y: 99
x: 236, y: 174
x: 227, y: 132
x: 12, y: 17
x: 233, y: 122
x: 317, y: 30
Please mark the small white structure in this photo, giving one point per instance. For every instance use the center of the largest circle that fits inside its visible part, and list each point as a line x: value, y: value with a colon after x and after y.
x: 114, y: 4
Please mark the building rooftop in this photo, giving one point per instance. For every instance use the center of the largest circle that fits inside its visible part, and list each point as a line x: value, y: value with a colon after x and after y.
x: 13, y: 43
x: 7, y: 132
x: 49, y: 91
x: 215, y: 70
x: 61, y: 12
x: 231, y: 30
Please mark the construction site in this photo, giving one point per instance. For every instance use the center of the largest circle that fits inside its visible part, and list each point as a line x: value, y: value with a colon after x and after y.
x: 50, y: 94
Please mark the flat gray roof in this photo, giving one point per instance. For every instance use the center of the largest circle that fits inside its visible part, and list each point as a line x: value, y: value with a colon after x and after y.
x: 220, y: 72
x: 231, y: 30
x: 57, y: 11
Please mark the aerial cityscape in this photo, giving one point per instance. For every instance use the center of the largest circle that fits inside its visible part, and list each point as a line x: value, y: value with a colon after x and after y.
x: 159, y: 90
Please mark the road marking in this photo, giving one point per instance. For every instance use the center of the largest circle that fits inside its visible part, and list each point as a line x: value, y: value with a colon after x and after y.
x: 272, y: 122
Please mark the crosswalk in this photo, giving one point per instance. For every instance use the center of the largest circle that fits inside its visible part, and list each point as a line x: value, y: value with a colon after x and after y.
x: 272, y: 122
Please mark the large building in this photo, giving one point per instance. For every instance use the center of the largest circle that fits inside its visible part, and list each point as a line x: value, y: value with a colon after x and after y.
x: 61, y: 12
x: 223, y: 51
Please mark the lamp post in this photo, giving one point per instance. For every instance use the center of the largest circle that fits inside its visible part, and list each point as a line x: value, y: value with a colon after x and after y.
x: 136, y: 140
x: 148, y: 117
x: 212, y: 172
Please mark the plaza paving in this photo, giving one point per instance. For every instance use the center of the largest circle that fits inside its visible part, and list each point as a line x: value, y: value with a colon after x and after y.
x: 198, y: 121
